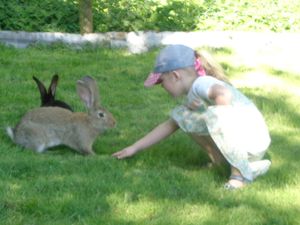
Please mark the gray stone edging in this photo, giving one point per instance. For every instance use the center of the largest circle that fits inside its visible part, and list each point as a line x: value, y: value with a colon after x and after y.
x: 138, y: 42
x: 281, y: 50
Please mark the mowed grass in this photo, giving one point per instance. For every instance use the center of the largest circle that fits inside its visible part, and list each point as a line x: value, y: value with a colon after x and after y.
x: 169, y: 183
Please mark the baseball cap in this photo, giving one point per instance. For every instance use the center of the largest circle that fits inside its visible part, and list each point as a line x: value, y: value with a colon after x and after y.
x: 170, y: 58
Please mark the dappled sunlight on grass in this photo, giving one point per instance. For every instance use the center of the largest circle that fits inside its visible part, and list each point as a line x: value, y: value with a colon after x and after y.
x: 130, y: 208
x: 262, y: 67
x: 13, y: 187
x: 270, y: 79
x: 169, y: 184
x: 144, y: 209
x: 286, y: 199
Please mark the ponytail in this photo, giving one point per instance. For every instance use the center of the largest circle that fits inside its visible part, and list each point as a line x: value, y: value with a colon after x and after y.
x: 211, y: 67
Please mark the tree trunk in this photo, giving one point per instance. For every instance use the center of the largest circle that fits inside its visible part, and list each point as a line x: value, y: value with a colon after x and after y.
x: 86, y: 16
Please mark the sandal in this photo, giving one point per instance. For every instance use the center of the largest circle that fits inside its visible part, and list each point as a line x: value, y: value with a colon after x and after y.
x: 229, y: 186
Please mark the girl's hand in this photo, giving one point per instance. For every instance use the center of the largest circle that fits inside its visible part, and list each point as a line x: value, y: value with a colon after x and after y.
x: 194, y: 104
x: 126, y: 152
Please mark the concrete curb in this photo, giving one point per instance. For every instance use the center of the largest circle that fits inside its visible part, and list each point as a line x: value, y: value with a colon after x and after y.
x: 138, y: 42
x: 281, y: 50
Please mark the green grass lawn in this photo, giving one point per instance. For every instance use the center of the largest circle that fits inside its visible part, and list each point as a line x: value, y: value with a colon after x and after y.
x: 165, y: 185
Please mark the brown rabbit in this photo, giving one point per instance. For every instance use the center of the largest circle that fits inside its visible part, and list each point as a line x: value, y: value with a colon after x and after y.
x: 46, y: 127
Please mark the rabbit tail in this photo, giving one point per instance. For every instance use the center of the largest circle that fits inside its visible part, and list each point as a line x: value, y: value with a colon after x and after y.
x: 10, y: 132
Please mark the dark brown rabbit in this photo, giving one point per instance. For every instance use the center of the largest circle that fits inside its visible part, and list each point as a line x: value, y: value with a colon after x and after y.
x: 46, y: 127
x: 48, y: 97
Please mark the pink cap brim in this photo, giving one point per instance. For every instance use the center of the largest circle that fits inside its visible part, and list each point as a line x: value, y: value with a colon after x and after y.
x: 152, y: 79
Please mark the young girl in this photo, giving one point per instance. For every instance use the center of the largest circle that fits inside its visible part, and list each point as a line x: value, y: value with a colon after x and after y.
x: 217, y: 116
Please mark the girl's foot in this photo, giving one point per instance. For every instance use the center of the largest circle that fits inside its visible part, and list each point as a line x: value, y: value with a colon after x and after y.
x: 236, y: 182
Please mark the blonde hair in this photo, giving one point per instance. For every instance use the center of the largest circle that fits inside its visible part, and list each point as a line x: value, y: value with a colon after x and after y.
x: 211, y: 66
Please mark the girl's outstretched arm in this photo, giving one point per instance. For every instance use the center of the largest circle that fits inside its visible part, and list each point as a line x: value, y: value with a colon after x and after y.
x: 159, y: 133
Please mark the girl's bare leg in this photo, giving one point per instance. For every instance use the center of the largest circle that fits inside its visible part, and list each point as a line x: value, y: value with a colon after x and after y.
x: 233, y: 182
x: 210, y: 147
x: 217, y: 158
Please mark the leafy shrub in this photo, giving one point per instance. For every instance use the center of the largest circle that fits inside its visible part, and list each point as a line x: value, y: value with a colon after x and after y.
x: 178, y: 15
x: 158, y: 15
x: 35, y: 15
x: 268, y: 15
x: 128, y: 15
x: 122, y: 15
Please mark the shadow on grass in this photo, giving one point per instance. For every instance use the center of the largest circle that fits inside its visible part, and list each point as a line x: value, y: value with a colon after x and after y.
x: 164, y: 181
x: 277, y: 109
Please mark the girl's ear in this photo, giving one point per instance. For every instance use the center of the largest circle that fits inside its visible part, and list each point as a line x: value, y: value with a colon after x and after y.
x: 176, y: 75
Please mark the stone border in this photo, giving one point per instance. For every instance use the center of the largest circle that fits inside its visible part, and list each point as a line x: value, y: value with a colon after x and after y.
x: 277, y: 50
x: 138, y: 42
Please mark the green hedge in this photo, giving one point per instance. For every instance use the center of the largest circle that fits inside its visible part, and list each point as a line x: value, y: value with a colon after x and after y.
x: 36, y: 15
x: 128, y: 15
x: 157, y: 15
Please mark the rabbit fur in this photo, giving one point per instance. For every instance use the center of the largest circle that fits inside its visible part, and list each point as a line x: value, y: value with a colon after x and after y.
x: 48, y: 97
x: 45, y: 127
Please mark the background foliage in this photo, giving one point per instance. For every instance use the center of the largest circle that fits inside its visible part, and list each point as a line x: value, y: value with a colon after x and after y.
x: 158, y: 15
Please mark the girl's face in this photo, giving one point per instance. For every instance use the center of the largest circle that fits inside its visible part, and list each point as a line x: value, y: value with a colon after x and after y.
x: 171, y: 82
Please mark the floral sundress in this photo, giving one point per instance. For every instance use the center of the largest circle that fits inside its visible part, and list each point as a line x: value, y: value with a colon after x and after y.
x: 238, y: 129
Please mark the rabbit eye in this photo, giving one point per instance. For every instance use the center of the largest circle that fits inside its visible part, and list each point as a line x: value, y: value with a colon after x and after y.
x: 101, y: 114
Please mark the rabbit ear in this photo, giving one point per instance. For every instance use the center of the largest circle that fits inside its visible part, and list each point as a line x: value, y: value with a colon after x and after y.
x: 84, y: 93
x: 53, y: 85
x: 91, y: 88
x: 41, y: 87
